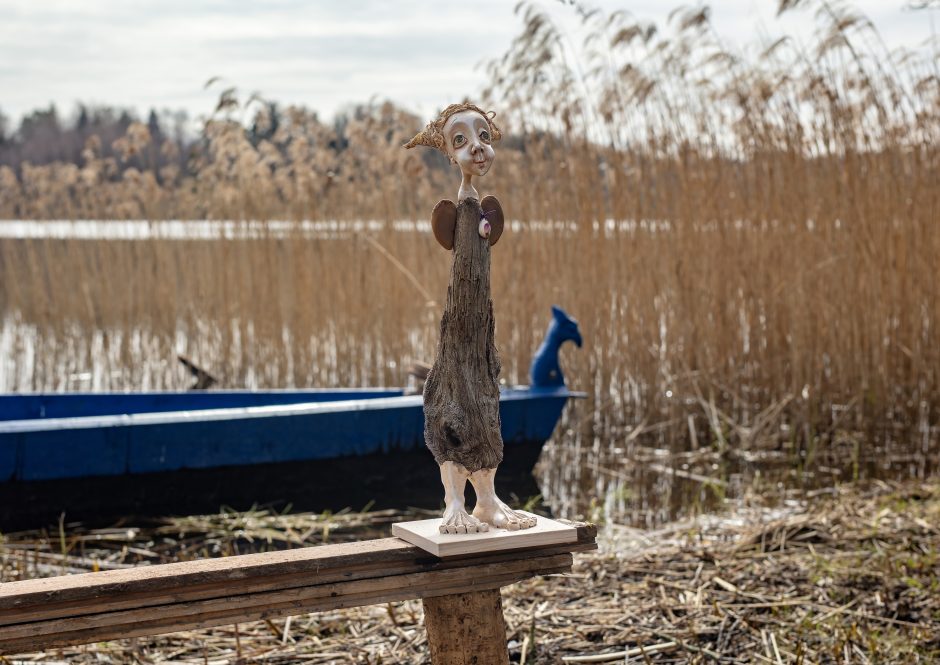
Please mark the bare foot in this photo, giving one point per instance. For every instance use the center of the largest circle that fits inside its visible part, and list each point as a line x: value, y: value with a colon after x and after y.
x: 490, y: 509
x: 501, y: 516
x: 457, y: 520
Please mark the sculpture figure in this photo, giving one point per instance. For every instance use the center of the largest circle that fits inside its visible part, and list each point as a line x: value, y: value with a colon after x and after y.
x: 461, y: 394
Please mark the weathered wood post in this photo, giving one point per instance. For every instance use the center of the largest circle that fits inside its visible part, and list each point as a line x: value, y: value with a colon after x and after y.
x: 461, y: 394
x: 466, y: 629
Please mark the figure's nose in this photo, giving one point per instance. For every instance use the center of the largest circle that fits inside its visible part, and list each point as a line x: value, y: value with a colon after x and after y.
x: 475, y: 147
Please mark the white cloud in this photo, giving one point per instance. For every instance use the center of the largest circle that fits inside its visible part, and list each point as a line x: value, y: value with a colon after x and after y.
x: 324, y: 55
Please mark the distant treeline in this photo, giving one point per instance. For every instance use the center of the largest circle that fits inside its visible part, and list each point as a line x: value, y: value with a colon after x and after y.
x: 248, y: 158
x: 44, y: 136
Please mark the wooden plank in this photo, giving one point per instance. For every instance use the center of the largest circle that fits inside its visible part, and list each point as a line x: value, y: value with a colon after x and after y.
x: 91, y: 593
x: 466, y: 628
x: 112, y: 592
x: 184, y: 616
x: 411, y: 585
x: 165, y: 578
x: 76, y: 609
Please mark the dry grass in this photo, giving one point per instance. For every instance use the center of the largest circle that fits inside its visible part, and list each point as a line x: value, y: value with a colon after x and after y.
x: 848, y: 579
x: 749, y: 244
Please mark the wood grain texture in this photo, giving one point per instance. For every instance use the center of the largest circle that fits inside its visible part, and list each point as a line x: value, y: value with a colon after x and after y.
x: 461, y: 394
x: 466, y: 629
x: 76, y: 609
x: 238, y: 608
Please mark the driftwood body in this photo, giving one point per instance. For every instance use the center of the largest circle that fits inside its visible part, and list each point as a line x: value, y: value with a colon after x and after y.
x: 461, y: 395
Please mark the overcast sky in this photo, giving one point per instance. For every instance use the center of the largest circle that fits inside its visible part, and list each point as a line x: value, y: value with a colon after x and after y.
x: 158, y: 53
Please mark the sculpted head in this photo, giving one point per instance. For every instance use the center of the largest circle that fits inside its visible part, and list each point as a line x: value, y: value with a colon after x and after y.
x: 465, y: 133
x: 468, y: 138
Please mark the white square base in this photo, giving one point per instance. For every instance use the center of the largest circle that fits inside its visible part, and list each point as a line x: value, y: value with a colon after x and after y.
x: 425, y: 534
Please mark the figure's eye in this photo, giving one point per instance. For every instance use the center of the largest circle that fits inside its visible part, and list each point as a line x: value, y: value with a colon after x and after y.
x: 484, y: 136
x: 459, y: 140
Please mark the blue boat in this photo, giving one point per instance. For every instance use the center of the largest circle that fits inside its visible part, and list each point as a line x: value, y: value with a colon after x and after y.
x: 96, y: 456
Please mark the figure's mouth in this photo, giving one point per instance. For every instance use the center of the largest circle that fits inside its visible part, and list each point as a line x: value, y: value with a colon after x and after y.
x: 481, y: 162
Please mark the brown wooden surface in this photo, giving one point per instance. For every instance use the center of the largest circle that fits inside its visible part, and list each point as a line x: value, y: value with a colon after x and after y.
x: 461, y: 394
x: 151, y: 600
x: 466, y: 629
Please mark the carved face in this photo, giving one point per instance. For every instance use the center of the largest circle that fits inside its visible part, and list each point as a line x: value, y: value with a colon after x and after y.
x: 467, y: 136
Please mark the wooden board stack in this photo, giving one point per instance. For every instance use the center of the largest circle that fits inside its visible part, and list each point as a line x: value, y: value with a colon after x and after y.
x: 151, y: 600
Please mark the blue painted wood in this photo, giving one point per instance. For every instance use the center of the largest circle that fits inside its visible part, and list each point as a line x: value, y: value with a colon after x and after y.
x: 546, y: 370
x: 68, y: 405
x: 33, y: 449
x: 8, y: 461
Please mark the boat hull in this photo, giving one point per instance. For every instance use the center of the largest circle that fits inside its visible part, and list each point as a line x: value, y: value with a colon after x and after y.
x: 329, y: 454
x: 378, y: 480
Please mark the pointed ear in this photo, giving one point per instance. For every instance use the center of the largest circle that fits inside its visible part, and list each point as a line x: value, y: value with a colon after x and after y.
x: 444, y: 223
x: 494, y: 215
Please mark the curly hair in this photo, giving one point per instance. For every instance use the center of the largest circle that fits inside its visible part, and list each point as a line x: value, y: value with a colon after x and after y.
x: 433, y: 135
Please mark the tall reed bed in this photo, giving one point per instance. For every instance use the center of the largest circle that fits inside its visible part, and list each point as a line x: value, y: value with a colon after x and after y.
x: 749, y: 244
